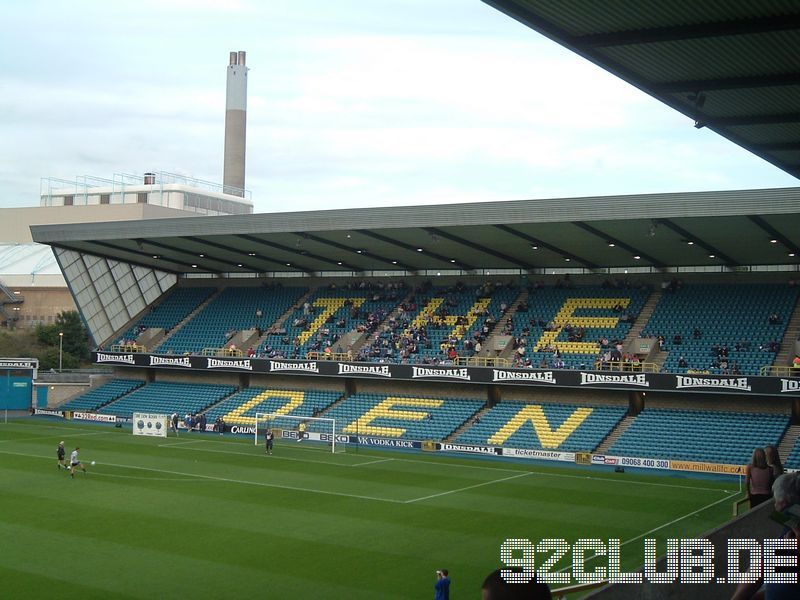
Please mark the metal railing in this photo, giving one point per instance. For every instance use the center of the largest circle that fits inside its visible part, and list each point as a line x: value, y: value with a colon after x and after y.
x: 340, y: 356
x: 482, y: 361
x: 128, y: 348
x: 779, y: 371
x: 628, y: 366
x: 222, y: 352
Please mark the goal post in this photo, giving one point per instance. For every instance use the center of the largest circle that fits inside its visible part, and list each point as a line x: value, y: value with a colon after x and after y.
x: 298, y: 428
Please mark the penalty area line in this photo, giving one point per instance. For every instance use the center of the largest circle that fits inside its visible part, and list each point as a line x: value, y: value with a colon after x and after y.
x: 469, y: 487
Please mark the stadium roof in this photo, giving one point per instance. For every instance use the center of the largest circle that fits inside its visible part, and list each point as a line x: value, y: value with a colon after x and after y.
x: 732, y: 66
x: 663, y: 230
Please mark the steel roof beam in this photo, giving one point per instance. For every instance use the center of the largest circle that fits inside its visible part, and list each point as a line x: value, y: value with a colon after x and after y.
x: 762, y: 224
x: 698, y: 241
x: 728, y: 83
x: 692, y: 31
x: 539, y: 243
x: 617, y: 242
x: 410, y: 248
x: 479, y: 247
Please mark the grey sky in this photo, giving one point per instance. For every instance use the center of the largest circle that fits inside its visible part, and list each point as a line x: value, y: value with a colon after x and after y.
x: 351, y: 103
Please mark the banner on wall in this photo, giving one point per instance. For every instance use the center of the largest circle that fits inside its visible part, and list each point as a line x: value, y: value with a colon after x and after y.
x: 610, y: 380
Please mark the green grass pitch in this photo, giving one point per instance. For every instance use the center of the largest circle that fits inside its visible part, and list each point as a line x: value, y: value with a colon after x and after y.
x: 208, y: 517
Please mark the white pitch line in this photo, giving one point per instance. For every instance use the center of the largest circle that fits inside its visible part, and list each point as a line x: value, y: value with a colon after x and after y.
x: 96, y: 474
x: 371, y: 462
x: 230, y: 480
x: 728, y: 496
x: 469, y: 487
x: 178, y: 443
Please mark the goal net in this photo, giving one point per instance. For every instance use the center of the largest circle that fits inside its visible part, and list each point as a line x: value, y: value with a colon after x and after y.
x: 319, y: 432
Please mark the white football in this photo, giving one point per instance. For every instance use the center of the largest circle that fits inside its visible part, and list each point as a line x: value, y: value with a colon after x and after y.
x: 92, y: 463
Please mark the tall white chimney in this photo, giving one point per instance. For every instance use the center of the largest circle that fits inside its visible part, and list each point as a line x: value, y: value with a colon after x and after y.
x: 235, y: 125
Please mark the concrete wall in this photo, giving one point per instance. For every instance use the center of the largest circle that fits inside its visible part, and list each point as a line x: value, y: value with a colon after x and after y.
x: 41, y: 305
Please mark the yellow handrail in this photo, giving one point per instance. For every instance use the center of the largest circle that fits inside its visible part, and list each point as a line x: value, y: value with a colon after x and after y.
x: 340, y: 356
x: 780, y: 371
x: 622, y: 365
x: 128, y: 348
x: 482, y: 361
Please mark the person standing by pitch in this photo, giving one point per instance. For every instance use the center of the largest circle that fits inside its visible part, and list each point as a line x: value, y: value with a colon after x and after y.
x: 60, y: 452
x: 269, y: 438
x: 442, y: 585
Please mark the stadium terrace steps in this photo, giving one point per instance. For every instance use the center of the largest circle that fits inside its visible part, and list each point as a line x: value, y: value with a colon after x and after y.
x: 102, y: 395
x: 189, y: 317
x: 788, y: 444
x: 644, y: 316
x: 562, y: 427
x: 614, y: 434
x: 168, y: 397
x: 178, y: 304
x: 488, y: 345
x: 792, y: 334
x: 259, y: 343
x: 468, y: 423
x: 695, y: 435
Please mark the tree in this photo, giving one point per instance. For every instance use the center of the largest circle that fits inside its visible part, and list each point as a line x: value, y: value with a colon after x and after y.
x: 75, y: 340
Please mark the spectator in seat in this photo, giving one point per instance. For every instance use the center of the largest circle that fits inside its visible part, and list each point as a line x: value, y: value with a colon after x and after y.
x: 796, y: 366
x: 682, y: 363
x: 774, y: 319
x: 697, y: 334
x: 758, y: 478
x: 677, y: 340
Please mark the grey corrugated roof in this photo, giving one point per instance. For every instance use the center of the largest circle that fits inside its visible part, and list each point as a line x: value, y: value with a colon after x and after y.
x: 655, y: 227
x: 738, y: 56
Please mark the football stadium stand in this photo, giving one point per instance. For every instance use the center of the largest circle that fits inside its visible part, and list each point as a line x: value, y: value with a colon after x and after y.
x: 573, y: 320
x: 170, y: 312
x: 707, y: 436
x: 732, y: 318
x: 241, y: 408
x: 234, y: 309
x: 167, y: 397
x: 327, y: 315
x: 563, y: 427
x: 413, y: 418
x: 102, y: 395
x: 441, y: 317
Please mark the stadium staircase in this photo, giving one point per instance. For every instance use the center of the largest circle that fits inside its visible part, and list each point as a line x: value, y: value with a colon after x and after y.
x: 467, y: 424
x: 188, y: 318
x: 259, y: 343
x: 356, y: 346
x: 788, y: 441
x: 488, y: 345
x: 792, y: 334
x: 644, y: 316
x: 614, y: 434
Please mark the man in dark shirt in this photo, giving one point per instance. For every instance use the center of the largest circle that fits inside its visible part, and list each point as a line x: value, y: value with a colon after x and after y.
x: 269, y: 436
x: 60, y: 452
x: 442, y: 585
